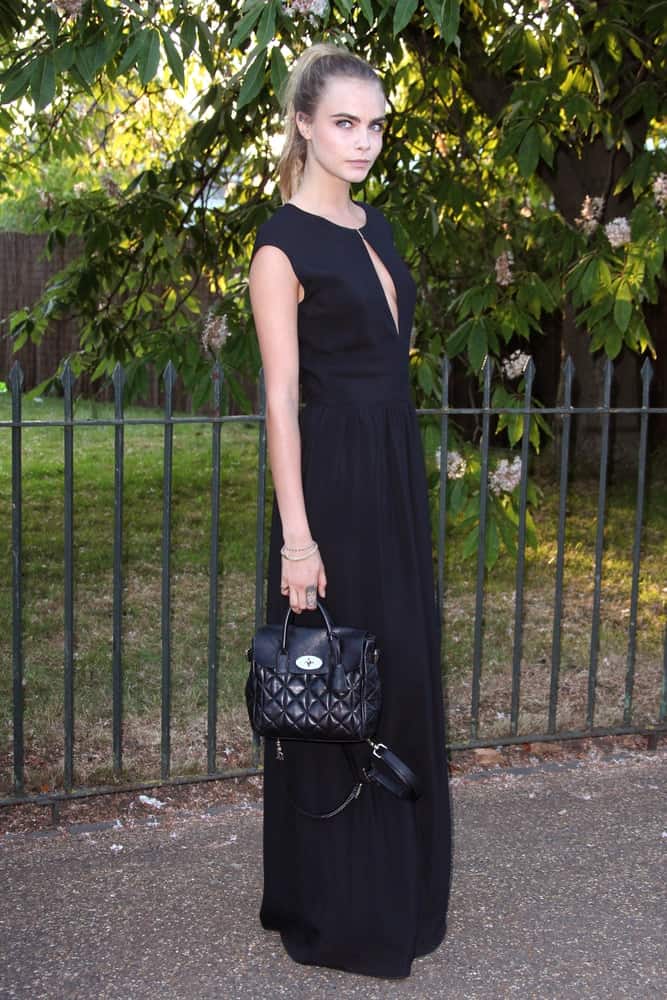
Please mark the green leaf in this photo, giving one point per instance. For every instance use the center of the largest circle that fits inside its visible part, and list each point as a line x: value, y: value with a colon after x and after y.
x: 278, y: 72
x: 366, y: 8
x: 613, y: 341
x: 130, y: 55
x: 173, y: 57
x: 478, y: 345
x: 205, y: 51
x: 247, y: 23
x: 43, y: 81
x: 403, y: 12
x: 457, y: 340
x: 253, y: 81
x: 471, y: 543
x: 492, y: 544
x: 16, y: 85
x: 425, y: 378
x: 90, y: 59
x: 51, y: 23
x: 529, y: 152
x: 450, y: 21
x: 507, y: 528
x: 622, y: 307
x: 267, y: 25
x: 436, y: 10
x: 457, y: 495
x: 188, y: 35
x: 148, y: 59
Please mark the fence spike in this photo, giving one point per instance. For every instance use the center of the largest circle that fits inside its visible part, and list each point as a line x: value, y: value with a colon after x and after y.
x: 16, y: 377
x: 217, y: 377
x: 169, y: 375
x: 529, y: 375
x: 647, y: 370
x: 67, y: 377
x: 608, y: 377
x: 569, y: 368
x: 118, y: 379
x: 487, y: 369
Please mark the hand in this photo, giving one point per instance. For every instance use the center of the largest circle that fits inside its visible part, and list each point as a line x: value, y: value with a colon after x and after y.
x: 302, y: 580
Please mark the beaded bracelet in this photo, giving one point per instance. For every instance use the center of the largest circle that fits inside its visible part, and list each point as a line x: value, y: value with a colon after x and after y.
x: 304, y: 552
x: 302, y: 548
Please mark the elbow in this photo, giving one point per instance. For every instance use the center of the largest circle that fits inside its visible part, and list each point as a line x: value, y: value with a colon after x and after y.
x: 281, y: 408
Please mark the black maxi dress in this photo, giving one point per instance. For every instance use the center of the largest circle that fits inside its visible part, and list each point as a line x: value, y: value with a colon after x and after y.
x: 366, y: 891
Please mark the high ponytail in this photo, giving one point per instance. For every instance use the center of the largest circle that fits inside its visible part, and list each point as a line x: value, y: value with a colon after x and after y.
x: 308, y: 78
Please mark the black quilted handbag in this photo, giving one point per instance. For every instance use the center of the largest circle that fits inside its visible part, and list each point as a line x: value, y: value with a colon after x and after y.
x: 313, y: 683
x: 323, y: 685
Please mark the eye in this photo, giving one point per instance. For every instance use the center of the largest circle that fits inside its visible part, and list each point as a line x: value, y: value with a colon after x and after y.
x: 379, y: 126
x: 343, y: 121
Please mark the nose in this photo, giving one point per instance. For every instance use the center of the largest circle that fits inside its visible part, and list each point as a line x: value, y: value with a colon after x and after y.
x: 363, y: 139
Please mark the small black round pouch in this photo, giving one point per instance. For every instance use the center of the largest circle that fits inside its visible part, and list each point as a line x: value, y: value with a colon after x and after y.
x: 313, y: 683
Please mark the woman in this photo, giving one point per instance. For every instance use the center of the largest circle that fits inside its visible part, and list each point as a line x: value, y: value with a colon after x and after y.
x: 332, y: 301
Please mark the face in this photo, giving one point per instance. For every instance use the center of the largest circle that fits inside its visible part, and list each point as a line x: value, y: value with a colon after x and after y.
x: 344, y: 136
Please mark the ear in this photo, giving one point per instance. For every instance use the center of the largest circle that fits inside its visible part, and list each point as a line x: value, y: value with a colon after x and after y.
x: 303, y: 125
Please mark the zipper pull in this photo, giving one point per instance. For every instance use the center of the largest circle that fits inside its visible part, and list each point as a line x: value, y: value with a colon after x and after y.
x: 279, y: 751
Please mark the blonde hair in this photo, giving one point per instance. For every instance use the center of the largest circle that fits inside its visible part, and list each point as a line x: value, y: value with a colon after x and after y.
x: 308, y: 78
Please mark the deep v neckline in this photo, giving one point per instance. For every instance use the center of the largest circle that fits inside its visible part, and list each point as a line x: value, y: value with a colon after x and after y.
x: 395, y: 322
x: 368, y: 246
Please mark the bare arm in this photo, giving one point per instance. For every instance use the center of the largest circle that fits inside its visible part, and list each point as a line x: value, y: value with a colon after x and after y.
x: 274, y: 296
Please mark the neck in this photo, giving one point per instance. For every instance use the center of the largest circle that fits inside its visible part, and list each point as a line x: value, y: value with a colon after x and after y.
x: 323, y: 194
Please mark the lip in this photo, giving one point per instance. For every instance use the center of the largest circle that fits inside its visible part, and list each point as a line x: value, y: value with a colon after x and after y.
x: 359, y: 163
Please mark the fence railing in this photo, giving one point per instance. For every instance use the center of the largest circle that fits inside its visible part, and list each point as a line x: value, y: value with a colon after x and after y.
x: 446, y: 414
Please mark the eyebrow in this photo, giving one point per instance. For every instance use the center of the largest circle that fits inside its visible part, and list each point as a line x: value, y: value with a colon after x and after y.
x: 355, y: 118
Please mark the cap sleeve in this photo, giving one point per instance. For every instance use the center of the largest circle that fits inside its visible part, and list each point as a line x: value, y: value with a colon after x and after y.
x: 276, y: 233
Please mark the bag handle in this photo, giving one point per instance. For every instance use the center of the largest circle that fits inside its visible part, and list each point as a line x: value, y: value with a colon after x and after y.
x: 329, y: 625
x: 339, y: 683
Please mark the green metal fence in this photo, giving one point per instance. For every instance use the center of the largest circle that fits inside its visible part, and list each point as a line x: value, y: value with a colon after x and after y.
x: 484, y: 413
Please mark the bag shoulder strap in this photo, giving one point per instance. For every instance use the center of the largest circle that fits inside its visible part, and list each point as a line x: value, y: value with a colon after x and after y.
x: 393, y: 775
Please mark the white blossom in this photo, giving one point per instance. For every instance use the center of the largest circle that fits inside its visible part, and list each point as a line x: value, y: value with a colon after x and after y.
x: 504, y: 268
x: 506, y: 476
x: 515, y: 365
x: 456, y: 464
x: 110, y: 186
x: 660, y: 191
x: 618, y: 231
x: 68, y: 8
x: 79, y: 187
x: 215, y: 332
x: 590, y: 214
x: 312, y: 9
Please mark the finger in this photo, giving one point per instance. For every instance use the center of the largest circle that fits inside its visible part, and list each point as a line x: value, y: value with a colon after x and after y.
x: 294, y: 601
x: 322, y: 583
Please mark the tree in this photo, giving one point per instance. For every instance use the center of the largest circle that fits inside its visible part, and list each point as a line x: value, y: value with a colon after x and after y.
x: 524, y: 169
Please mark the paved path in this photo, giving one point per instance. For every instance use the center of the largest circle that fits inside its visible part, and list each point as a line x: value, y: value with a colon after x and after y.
x: 559, y: 893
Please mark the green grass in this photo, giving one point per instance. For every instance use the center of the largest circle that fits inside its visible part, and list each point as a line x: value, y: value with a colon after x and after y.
x: 93, y: 534
x: 576, y: 620
x: 93, y: 541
